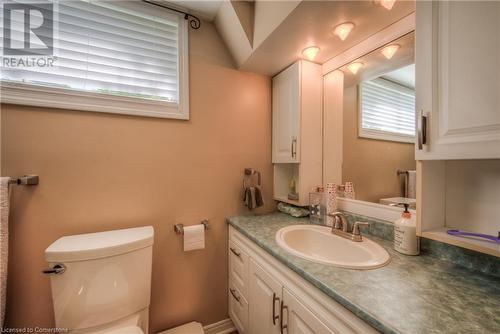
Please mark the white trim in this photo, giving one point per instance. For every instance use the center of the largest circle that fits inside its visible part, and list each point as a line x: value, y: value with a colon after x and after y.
x: 383, y: 135
x: 225, y: 326
x: 381, y: 38
x: 373, y: 210
x: 60, y: 98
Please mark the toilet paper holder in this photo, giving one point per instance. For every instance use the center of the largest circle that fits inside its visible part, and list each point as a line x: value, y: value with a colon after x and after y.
x: 179, y: 228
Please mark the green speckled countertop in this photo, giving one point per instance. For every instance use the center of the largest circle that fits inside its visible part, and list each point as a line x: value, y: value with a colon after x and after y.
x: 412, y: 294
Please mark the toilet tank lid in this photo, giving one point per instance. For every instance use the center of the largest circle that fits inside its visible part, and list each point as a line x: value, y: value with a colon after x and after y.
x: 98, y: 245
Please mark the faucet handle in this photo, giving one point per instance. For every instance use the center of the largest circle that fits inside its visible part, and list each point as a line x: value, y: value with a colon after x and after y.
x: 338, y: 222
x: 355, y: 228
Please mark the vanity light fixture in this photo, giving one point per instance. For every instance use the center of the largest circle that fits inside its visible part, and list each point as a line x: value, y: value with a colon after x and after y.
x: 390, y: 50
x: 354, y: 67
x: 387, y: 4
x: 310, y: 52
x: 343, y: 30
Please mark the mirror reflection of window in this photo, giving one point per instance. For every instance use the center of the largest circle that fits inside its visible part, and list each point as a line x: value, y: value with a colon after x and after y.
x: 387, y: 106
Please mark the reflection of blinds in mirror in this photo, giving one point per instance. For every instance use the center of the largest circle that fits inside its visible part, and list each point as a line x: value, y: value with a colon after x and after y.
x: 387, y: 108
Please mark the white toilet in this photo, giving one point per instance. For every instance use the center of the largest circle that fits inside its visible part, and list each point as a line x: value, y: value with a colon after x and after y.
x: 101, y: 282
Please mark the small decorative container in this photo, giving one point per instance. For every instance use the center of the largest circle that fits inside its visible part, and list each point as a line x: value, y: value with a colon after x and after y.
x: 349, y: 190
x: 317, y: 207
x: 331, y: 202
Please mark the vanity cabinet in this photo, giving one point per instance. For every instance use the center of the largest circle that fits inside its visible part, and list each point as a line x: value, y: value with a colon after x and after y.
x: 265, y: 316
x: 277, y: 300
x: 301, y: 320
x: 265, y: 296
x: 297, y: 131
x: 457, y: 80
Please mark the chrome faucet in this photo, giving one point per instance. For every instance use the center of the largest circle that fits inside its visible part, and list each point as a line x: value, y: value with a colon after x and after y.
x: 340, y: 227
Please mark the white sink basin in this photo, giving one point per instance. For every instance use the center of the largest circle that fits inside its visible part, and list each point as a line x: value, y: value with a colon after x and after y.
x: 318, y: 244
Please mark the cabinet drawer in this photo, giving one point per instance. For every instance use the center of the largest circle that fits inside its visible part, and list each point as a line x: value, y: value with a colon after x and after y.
x: 238, y: 267
x: 238, y: 308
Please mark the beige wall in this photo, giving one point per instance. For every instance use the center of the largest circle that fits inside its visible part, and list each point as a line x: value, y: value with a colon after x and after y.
x: 372, y: 164
x: 101, y: 172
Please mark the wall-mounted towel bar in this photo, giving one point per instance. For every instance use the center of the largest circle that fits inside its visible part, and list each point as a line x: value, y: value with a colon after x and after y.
x: 399, y: 172
x: 25, y: 180
x: 179, y: 228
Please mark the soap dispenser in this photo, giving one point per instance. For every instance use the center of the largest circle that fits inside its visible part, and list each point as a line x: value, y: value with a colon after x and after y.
x: 405, y: 234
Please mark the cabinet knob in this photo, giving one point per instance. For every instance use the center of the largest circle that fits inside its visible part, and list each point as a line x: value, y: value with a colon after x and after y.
x: 294, y: 147
x: 275, y: 316
x: 422, y: 131
x: 282, y: 325
x: 233, y: 292
x: 234, y: 251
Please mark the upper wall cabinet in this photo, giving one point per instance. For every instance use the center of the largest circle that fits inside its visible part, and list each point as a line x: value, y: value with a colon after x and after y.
x: 297, y: 132
x: 286, y: 115
x: 458, y: 80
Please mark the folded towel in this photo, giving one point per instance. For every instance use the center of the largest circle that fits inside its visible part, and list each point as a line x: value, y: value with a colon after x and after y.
x: 253, y: 197
x: 259, y: 199
x: 4, y: 244
x: 411, y: 184
x: 293, y: 210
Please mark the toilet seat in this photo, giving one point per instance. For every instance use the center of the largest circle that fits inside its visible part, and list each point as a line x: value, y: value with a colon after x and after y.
x: 125, y: 330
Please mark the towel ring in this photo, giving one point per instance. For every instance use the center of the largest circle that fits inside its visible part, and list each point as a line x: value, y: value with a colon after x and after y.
x: 250, y: 172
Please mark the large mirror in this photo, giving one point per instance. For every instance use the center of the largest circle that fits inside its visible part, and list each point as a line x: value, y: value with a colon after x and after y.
x: 378, y: 124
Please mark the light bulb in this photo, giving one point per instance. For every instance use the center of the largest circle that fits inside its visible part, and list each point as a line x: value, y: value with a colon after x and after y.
x: 390, y: 50
x: 387, y: 4
x: 310, y: 52
x: 343, y: 30
x: 354, y: 67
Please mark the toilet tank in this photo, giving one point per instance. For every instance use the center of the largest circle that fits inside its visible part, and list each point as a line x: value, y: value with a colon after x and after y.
x: 107, y: 276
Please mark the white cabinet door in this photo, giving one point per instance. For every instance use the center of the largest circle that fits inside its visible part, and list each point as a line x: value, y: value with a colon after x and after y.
x: 458, y: 79
x: 286, y: 115
x: 264, y: 301
x: 298, y: 319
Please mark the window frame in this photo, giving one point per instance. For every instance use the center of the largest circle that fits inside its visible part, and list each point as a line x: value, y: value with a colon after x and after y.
x: 380, y: 134
x: 62, y: 98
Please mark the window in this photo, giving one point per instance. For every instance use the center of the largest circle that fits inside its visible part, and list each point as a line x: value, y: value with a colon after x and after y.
x: 387, y: 111
x: 112, y: 56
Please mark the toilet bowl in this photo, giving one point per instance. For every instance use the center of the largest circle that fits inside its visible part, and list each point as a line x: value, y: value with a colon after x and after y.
x: 101, y: 282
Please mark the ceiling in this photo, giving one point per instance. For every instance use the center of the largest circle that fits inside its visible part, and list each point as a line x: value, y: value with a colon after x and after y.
x: 404, y: 75
x: 376, y: 65
x: 206, y: 9
x: 312, y: 23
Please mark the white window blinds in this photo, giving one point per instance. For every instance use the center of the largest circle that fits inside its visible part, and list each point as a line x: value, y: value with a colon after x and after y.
x: 118, y: 48
x: 387, y: 110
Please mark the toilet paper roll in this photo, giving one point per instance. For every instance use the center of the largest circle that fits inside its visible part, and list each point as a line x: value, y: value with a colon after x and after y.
x: 194, y: 237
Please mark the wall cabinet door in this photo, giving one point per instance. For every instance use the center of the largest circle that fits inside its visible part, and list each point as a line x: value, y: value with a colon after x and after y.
x: 458, y: 79
x: 286, y: 115
x: 264, y: 300
x: 299, y: 319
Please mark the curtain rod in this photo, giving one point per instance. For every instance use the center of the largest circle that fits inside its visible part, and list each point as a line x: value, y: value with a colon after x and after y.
x: 194, y: 22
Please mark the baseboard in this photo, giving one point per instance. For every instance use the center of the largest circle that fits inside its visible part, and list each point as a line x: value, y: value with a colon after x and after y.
x: 225, y: 326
